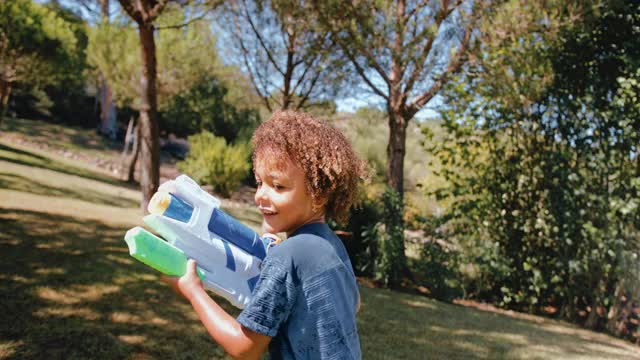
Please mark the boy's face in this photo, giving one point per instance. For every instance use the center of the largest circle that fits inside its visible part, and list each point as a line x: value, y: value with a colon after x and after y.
x: 282, y: 197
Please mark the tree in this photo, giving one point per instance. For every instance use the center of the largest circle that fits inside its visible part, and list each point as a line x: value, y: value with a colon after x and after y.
x: 108, y: 109
x: 100, y: 11
x: 145, y: 13
x: 400, y: 50
x: 214, y: 104
x: 290, y: 63
x: 184, y: 56
x: 404, y: 52
x: 546, y: 206
x: 34, y: 43
x: 596, y: 88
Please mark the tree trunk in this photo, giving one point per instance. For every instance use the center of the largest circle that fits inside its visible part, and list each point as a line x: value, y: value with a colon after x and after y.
x: 149, y: 132
x: 107, y: 112
x: 135, y: 153
x: 396, y: 150
x: 5, y: 91
x: 616, y: 317
x: 129, y: 137
x: 592, y: 319
x: 107, y: 107
x: 638, y: 161
x: 104, y: 8
x: 395, y: 178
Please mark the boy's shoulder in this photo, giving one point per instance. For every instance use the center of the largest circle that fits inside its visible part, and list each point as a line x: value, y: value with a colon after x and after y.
x: 307, y: 252
x: 301, y: 246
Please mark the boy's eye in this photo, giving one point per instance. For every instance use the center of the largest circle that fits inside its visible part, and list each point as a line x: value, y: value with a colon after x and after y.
x: 278, y: 186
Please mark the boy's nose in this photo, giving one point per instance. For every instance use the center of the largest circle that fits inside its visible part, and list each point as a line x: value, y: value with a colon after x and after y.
x: 260, y: 195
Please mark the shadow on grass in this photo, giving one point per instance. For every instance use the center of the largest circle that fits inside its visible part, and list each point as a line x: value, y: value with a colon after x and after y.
x: 23, y: 184
x: 22, y: 157
x: 69, y: 289
x: 411, y: 327
x: 33, y: 128
x: 57, y: 133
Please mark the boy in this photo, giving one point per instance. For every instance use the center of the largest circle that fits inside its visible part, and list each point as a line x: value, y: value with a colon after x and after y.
x: 304, y: 305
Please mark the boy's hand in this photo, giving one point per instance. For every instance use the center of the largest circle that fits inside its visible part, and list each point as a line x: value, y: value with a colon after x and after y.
x: 186, y: 285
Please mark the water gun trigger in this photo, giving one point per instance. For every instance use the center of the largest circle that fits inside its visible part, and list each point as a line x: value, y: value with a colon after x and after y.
x: 201, y: 273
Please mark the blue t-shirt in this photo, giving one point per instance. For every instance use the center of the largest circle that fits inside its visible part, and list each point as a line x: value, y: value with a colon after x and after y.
x: 306, y: 298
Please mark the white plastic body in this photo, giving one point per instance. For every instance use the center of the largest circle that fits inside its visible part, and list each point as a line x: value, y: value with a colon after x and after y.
x: 197, y: 242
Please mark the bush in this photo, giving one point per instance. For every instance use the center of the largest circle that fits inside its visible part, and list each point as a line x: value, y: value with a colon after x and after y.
x: 392, y: 260
x: 212, y: 162
x: 206, y: 106
x: 437, y: 269
x: 362, y: 244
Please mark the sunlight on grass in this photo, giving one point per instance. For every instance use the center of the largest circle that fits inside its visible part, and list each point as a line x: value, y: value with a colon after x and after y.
x: 81, y: 209
x: 405, y: 326
x: 8, y: 348
x: 59, y: 311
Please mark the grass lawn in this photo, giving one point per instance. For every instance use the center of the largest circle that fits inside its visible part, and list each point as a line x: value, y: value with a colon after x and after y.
x: 69, y: 289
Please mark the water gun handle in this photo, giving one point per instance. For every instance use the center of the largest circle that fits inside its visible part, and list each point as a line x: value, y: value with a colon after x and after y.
x: 157, y: 253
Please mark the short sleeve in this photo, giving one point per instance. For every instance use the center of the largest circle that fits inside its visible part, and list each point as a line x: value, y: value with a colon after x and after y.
x: 272, y: 299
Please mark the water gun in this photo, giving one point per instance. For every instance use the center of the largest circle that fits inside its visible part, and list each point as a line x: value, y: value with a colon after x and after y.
x: 228, y: 253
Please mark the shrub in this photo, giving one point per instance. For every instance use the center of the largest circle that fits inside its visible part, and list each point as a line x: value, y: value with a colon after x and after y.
x: 437, y: 269
x: 362, y: 244
x: 206, y: 106
x: 392, y: 260
x: 212, y: 162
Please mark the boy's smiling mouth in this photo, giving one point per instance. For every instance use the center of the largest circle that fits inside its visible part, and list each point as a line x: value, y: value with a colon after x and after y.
x: 267, y: 212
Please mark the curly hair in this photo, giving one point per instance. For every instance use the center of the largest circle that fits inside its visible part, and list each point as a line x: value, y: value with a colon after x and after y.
x: 333, y: 170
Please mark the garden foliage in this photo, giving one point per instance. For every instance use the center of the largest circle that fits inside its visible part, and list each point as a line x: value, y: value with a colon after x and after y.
x: 211, y: 161
x: 543, y: 161
x: 41, y: 59
x: 392, y: 259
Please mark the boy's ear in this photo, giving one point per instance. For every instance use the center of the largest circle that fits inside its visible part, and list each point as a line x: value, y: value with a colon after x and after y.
x: 320, y: 203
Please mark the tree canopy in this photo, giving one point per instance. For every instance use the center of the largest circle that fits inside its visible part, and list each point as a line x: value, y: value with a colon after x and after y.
x: 36, y: 45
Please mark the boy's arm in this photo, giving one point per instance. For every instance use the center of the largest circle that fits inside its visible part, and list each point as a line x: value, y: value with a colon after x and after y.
x: 237, y: 340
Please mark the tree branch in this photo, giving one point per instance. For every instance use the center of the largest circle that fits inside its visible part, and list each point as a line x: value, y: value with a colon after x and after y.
x: 371, y: 59
x: 133, y: 11
x: 444, y: 12
x: 415, y: 10
x: 362, y: 74
x: 183, y: 25
x: 454, y: 67
x: 156, y: 10
x: 245, y: 57
x: 302, y: 77
x: 264, y: 46
x: 305, y: 97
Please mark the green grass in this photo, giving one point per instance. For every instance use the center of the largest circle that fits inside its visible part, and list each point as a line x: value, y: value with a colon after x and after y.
x: 34, y: 158
x: 76, y: 139
x: 69, y: 289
